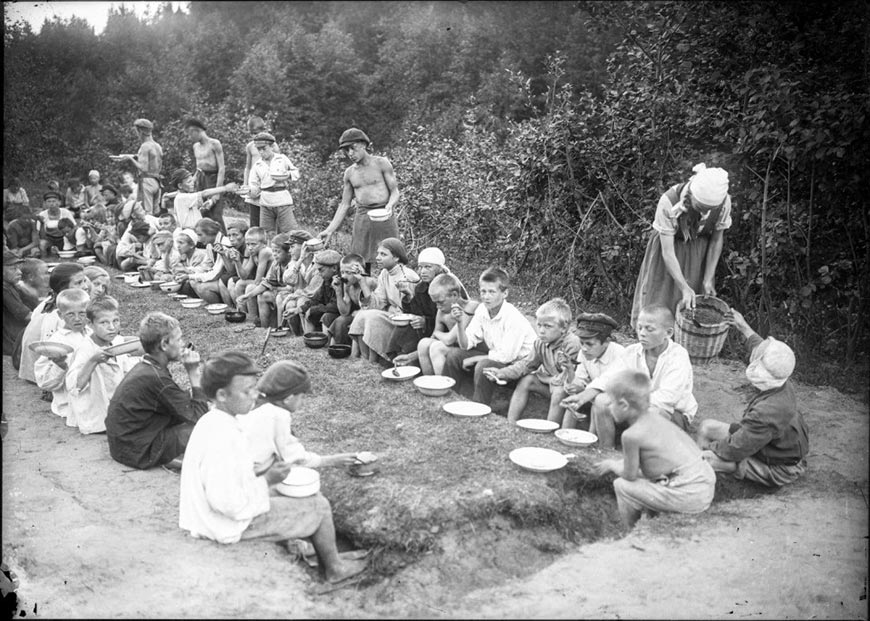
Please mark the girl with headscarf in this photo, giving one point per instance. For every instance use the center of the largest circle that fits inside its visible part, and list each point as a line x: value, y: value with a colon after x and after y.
x: 404, y: 340
x: 372, y: 328
x: 99, y: 279
x: 45, y: 319
x: 686, y: 242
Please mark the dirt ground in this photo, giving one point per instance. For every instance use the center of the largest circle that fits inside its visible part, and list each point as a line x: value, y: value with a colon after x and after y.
x: 86, y: 541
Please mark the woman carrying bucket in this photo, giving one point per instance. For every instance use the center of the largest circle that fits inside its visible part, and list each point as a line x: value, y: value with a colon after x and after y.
x: 686, y: 242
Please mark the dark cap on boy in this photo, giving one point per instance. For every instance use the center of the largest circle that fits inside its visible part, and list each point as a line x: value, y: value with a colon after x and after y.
x: 590, y: 325
x: 264, y: 137
x: 284, y: 378
x: 52, y: 194
x: 351, y: 136
x: 327, y: 257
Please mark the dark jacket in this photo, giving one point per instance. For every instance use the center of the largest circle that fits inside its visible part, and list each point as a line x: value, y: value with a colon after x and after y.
x: 15, y: 311
x: 771, y: 430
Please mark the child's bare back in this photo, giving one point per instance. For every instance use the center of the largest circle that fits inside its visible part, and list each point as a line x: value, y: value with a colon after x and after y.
x: 662, y: 446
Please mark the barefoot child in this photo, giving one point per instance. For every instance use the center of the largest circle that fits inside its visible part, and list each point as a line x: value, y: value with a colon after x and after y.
x: 662, y: 468
x: 770, y: 443
x: 301, y: 281
x: 545, y: 369
x: 255, y: 267
x: 319, y: 311
x: 223, y: 499
x: 93, y: 374
x: 349, y: 296
x: 495, y: 335
x: 264, y: 293
x: 445, y: 291
x: 598, y: 355
x: 51, y: 372
x: 667, y: 365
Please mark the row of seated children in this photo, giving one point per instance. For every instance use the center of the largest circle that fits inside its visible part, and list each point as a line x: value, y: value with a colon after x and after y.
x: 78, y: 197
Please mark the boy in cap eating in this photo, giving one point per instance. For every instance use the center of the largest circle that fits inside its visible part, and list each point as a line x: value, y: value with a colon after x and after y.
x: 321, y: 309
x: 223, y: 498
x: 599, y: 354
x: 770, y: 443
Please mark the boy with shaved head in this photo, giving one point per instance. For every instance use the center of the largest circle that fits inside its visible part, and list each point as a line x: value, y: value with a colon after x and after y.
x: 664, y: 362
x: 662, y: 468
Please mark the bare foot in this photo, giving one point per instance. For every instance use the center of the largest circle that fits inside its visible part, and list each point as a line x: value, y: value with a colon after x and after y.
x: 345, y: 570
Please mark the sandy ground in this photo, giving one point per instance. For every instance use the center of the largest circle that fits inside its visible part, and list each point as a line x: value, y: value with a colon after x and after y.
x: 88, y: 538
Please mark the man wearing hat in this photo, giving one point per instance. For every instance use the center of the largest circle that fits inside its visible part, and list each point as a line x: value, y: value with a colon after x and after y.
x: 224, y: 497
x: 148, y: 161
x: 208, y: 153
x: 320, y: 310
x: 686, y: 242
x: 598, y: 354
x: 770, y: 443
x: 370, y: 183
x: 268, y: 183
x: 16, y: 314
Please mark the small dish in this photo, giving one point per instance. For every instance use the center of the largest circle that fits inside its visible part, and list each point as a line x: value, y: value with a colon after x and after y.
x: 537, y: 425
x: 192, y: 303
x: 300, y: 483
x: 404, y: 373
x: 402, y: 319
x: 538, y: 459
x: 50, y: 349
x: 576, y: 437
x: 315, y: 340
x: 139, y: 285
x: 434, y: 385
x: 339, y: 351
x: 467, y: 409
x: 132, y: 346
x: 379, y: 215
x: 280, y: 332
x: 235, y: 316
x: 66, y: 254
x: 87, y: 260
x: 216, y: 309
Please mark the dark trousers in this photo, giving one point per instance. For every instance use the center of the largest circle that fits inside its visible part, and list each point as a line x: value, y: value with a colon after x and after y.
x: 254, y: 213
x: 483, y: 388
x: 340, y: 328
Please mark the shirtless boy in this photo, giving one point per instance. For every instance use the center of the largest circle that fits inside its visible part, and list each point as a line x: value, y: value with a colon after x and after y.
x: 371, y: 183
x: 208, y: 153
x: 662, y: 468
x: 149, y: 161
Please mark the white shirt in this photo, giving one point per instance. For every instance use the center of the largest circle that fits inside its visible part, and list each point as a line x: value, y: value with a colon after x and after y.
x: 51, y: 377
x: 41, y: 326
x: 509, y: 335
x: 214, y: 272
x: 671, y: 382
x: 127, y: 241
x: 187, y: 205
x: 88, y: 406
x: 267, y: 431
x: 220, y: 494
x: 261, y: 177
x: 609, y: 361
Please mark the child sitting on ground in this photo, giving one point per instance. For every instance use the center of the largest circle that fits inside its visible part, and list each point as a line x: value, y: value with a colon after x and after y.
x: 222, y: 498
x: 87, y: 233
x: 99, y: 279
x: 545, y: 370
x: 187, y: 261
x: 94, y: 374
x: 264, y: 293
x: 130, y: 252
x: 599, y: 354
x: 93, y: 191
x: 662, y: 468
x: 255, y: 267
x: 348, y: 296
x: 76, y: 198
x: 318, y: 312
x: 445, y: 290
x: 51, y: 371
x: 166, y: 222
x: 107, y: 240
x: 34, y: 281
x: 16, y: 313
x: 301, y: 279
x: 770, y: 443
x: 161, y: 256
x: 667, y: 365
x: 496, y: 334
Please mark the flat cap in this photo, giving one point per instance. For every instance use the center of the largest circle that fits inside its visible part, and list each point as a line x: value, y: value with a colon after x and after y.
x: 299, y: 236
x: 10, y: 258
x: 194, y: 123
x: 178, y: 175
x: 52, y: 194
x: 264, y: 137
x: 219, y: 371
x: 282, y: 379
x: 590, y: 325
x: 143, y: 123
x: 110, y: 188
x: 353, y: 135
x: 327, y: 257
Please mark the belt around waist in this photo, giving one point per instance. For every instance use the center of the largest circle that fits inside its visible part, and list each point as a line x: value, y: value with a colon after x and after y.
x: 371, y: 207
x: 274, y: 188
x: 150, y: 176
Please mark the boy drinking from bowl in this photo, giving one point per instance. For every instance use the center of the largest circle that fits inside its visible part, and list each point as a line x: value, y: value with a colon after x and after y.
x: 662, y: 468
x: 320, y: 310
x: 51, y: 370
x: 770, y: 443
x: 598, y: 355
x: 94, y: 374
x: 255, y: 265
x: 662, y: 360
x: 496, y: 334
x: 545, y: 370
x: 264, y: 293
x: 445, y: 291
x: 352, y: 278
x: 222, y: 496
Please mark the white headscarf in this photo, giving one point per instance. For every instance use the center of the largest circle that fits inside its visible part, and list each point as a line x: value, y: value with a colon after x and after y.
x: 709, y: 185
x: 770, y: 365
x: 433, y: 256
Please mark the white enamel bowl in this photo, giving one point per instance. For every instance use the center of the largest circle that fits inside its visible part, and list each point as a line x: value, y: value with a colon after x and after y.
x: 434, y: 385
x: 576, y: 437
x: 300, y: 483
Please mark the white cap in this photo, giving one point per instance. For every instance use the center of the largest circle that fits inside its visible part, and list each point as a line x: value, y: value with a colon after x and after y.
x: 188, y: 232
x: 709, y: 185
x: 432, y: 256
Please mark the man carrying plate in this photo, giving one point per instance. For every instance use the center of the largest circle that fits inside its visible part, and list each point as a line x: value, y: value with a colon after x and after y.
x: 370, y: 183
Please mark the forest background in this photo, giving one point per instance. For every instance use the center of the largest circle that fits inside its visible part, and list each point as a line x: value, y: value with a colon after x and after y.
x: 534, y: 134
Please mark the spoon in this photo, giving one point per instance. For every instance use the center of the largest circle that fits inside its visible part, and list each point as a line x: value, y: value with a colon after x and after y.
x: 396, y: 369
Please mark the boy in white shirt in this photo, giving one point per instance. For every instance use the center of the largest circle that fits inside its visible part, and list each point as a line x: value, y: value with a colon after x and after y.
x: 598, y: 355
x: 188, y: 205
x: 496, y: 334
x: 223, y: 499
x: 93, y: 374
x: 51, y: 372
x: 667, y: 365
x: 268, y: 184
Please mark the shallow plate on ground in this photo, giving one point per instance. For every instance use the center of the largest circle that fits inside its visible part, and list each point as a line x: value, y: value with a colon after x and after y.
x: 66, y: 254
x: 300, y: 483
x: 404, y: 373
x: 538, y: 459
x: 537, y: 425
x: 177, y: 296
x: 132, y: 346
x: 434, y: 385
x: 192, y: 303
x: 87, y: 260
x: 469, y: 409
x: 280, y: 332
x: 576, y: 437
x: 216, y: 309
x: 139, y: 285
x: 50, y: 348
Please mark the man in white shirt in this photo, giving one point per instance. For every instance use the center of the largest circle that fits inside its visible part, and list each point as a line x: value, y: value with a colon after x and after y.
x: 221, y: 497
x: 496, y: 334
x: 268, y: 183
